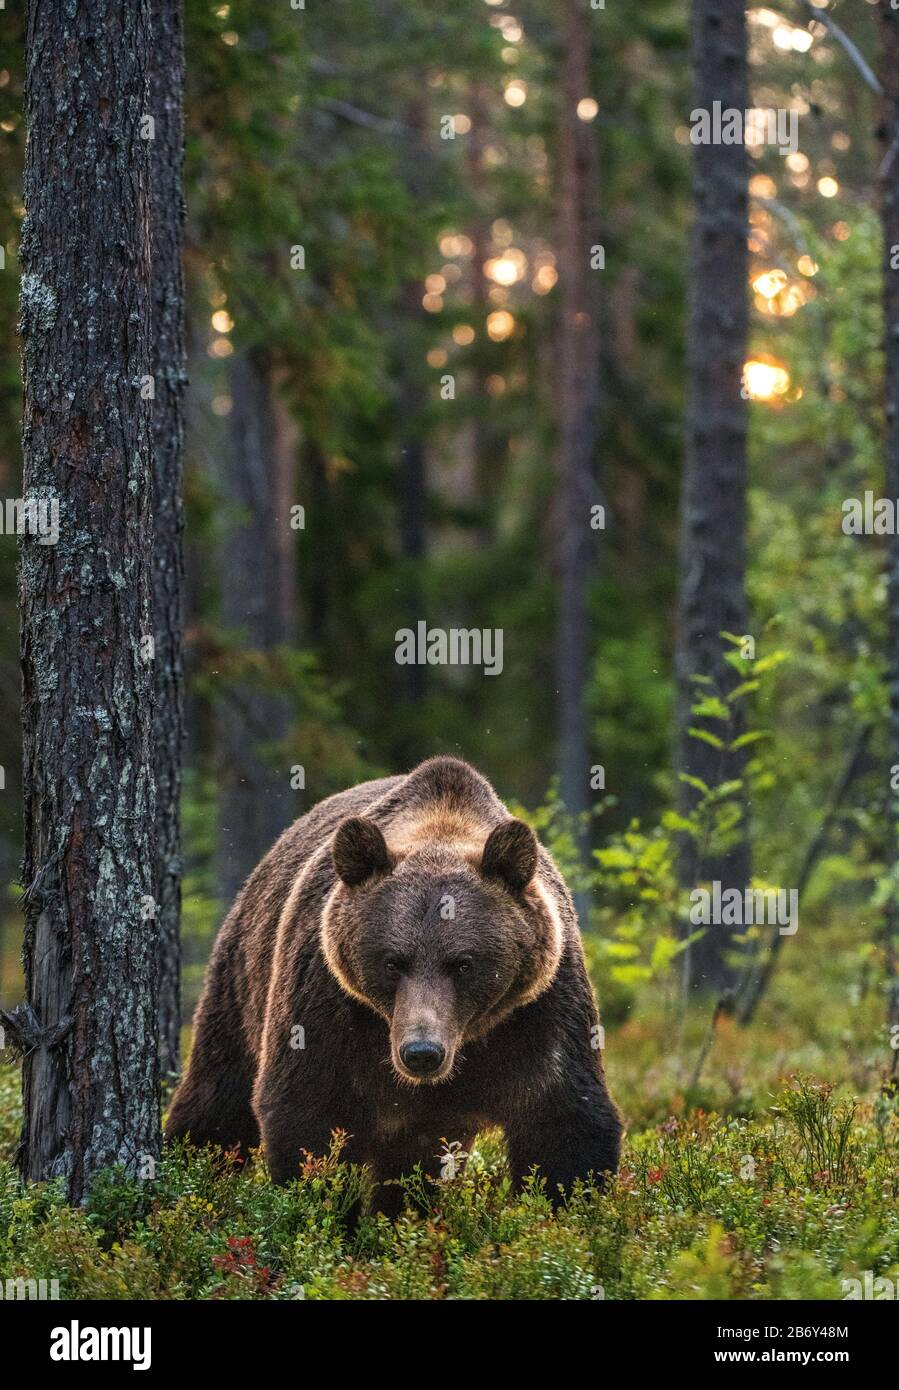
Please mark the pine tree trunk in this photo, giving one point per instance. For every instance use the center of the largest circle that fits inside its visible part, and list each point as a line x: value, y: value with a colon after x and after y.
x: 413, y: 509
x: 317, y: 580
x: 890, y: 213
x: 170, y: 371
x: 412, y: 468
x: 91, y: 1071
x: 258, y: 585
x: 578, y: 401
x: 489, y: 444
x: 713, y: 521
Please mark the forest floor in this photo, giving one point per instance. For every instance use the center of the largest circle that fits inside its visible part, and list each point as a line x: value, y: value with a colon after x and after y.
x: 775, y: 1175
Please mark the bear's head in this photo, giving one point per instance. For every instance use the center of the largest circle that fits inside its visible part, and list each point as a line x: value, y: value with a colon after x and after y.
x: 442, y: 942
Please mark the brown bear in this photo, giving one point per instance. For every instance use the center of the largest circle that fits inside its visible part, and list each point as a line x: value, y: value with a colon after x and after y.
x: 404, y: 965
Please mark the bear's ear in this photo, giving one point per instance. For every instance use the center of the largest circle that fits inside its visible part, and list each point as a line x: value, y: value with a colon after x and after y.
x: 360, y: 850
x: 511, y: 854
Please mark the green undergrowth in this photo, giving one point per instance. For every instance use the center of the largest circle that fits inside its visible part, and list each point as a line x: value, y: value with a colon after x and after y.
x: 785, y: 1205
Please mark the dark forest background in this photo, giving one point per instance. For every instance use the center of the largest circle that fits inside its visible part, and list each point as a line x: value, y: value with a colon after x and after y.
x: 476, y: 338
x: 391, y: 418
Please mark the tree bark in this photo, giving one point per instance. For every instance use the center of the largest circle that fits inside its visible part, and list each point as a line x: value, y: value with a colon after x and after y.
x: 713, y: 518
x: 412, y: 463
x: 258, y: 586
x: 412, y: 478
x: 91, y: 1071
x: 890, y: 215
x: 317, y: 580
x: 489, y: 443
x: 578, y: 388
x: 170, y: 373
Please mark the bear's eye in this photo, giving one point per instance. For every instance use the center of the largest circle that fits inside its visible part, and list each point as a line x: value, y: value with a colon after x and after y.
x: 461, y: 967
x: 393, y: 965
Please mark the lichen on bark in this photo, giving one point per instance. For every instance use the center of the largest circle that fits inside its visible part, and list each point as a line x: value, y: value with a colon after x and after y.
x: 90, y: 1083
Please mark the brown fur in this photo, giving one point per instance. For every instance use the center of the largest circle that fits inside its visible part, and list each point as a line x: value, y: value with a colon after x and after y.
x: 405, y: 918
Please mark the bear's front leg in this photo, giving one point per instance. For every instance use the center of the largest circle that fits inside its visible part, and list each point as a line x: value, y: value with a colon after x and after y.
x: 287, y: 1140
x: 303, y: 1091
x: 567, y: 1134
x: 298, y: 1107
x: 392, y: 1159
x: 398, y: 1156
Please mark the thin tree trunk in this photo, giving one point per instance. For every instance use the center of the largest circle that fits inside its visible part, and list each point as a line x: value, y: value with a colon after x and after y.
x: 317, y: 581
x: 756, y: 985
x: 412, y: 471
x: 578, y: 402
x: 9, y: 870
x: 258, y: 586
x: 413, y: 510
x: 890, y: 213
x: 490, y: 445
x: 713, y: 522
x: 170, y: 372
x: 206, y: 436
x: 91, y: 1070
x: 3, y: 915
x: 413, y: 477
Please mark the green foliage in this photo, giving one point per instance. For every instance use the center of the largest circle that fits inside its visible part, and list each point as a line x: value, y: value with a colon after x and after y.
x: 642, y: 925
x: 10, y: 1108
x: 321, y: 128
x: 705, y: 1206
x: 823, y: 1131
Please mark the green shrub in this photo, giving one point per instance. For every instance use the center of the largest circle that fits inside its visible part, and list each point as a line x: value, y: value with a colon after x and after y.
x: 787, y: 1204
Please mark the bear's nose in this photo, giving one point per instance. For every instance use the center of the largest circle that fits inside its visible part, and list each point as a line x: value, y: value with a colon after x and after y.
x: 422, y: 1057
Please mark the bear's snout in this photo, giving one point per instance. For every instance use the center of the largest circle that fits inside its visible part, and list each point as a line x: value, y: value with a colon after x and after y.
x: 422, y: 1056
x: 424, y: 1032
